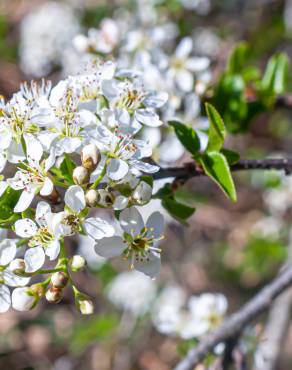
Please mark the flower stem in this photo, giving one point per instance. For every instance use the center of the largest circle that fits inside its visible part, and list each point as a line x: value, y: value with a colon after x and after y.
x: 100, y: 177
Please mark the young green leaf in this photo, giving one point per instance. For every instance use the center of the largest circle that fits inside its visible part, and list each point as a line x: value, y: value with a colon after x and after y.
x: 217, y: 130
x: 238, y: 58
x: 216, y: 167
x: 275, y: 77
x: 175, y: 206
x: 187, y: 136
x: 8, y: 201
x: 177, y: 210
x: 231, y: 156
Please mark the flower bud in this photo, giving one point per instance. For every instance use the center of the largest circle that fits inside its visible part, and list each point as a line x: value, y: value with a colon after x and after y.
x: 90, y: 157
x: 86, y: 306
x: 80, y: 42
x: 17, y: 266
x: 142, y: 194
x: 38, y: 290
x: 80, y: 175
x: 23, y: 299
x: 59, y: 279
x: 54, y: 295
x: 77, y: 263
x: 92, y: 197
x: 106, y: 199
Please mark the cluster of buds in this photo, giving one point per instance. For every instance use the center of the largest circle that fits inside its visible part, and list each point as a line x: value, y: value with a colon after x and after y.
x: 59, y: 280
x: 90, y: 158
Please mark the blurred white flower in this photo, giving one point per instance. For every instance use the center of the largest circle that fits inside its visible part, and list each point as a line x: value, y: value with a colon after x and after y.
x: 171, y: 315
x: 132, y: 291
x: 44, y: 34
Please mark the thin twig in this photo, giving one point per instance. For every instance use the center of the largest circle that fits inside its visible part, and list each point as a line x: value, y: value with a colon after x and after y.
x: 235, y: 323
x: 191, y: 170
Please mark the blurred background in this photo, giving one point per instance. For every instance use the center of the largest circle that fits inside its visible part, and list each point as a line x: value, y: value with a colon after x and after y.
x: 232, y: 249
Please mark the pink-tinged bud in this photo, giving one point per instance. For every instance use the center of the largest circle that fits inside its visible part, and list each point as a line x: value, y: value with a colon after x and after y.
x: 92, y: 198
x: 17, y: 266
x: 77, y: 263
x: 106, y: 199
x: 142, y: 194
x: 80, y: 175
x: 90, y: 157
x: 54, y: 295
x: 59, y: 279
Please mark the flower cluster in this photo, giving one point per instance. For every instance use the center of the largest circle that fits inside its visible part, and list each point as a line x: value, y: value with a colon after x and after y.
x: 141, y: 40
x: 172, y: 316
x: 150, y: 46
x: 74, y: 149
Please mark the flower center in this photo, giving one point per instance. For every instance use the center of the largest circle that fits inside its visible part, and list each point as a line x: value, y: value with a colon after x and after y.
x: 73, y: 221
x: 43, y: 238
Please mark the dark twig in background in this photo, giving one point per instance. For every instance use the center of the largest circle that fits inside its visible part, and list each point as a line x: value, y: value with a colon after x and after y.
x: 234, y: 325
x: 191, y: 170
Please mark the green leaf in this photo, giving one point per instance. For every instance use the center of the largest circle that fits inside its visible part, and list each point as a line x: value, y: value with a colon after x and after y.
x: 276, y: 75
x: 177, y: 210
x: 65, y: 171
x: 8, y: 201
x: 216, y: 167
x: 229, y: 98
x: 67, y: 168
x: 231, y: 156
x: 185, y: 196
x: 174, y: 204
x: 187, y: 136
x: 217, y: 130
x: 238, y: 58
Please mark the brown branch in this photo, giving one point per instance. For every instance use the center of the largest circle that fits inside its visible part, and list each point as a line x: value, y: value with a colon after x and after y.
x: 191, y: 170
x: 284, y: 101
x: 234, y: 325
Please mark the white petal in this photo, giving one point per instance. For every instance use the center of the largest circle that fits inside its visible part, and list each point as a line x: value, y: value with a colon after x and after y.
x: 7, y: 251
x: 156, y: 222
x: 97, y: 228
x: 184, y: 48
x: 22, y: 300
x: 13, y: 280
x: 117, y: 169
x: 34, y: 259
x: 197, y: 64
x: 184, y: 80
x: 42, y: 209
x: 110, y: 247
x: 150, y: 266
x: 5, y: 137
x: 53, y: 250
x: 34, y: 149
x: 3, y: 161
x: 15, y: 153
x: 144, y: 167
x: 148, y: 117
x: 75, y: 198
x: 24, y: 201
x: 120, y: 203
x: 156, y: 100
x: 47, y: 187
x: 110, y: 89
x: 58, y: 92
x: 25, y: 228
x: 131, y: 221
x: 5, y: 300
x: 3, y: 187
